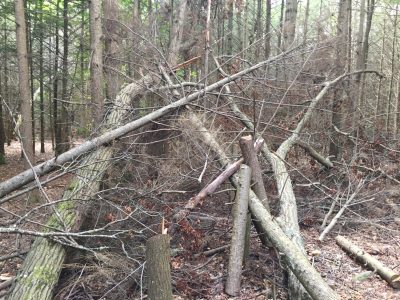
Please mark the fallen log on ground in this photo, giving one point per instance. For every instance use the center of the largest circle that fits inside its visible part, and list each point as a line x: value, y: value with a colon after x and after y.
x: 367, y: 260
x: 293, y: 254
x: 240, y: 209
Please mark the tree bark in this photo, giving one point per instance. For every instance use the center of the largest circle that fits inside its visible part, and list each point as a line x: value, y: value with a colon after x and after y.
x: 372, y: 263
x: 176, y: 34
x: 158, y: 259
x: 41, y: 79
x: 289, y: 24
x: 23, y: 84
x: 65, y: 125
x: 335, y: 147
x: 96, y: 62
x: 112, y: 44
x: 2, y: 132
x: 232, y: 287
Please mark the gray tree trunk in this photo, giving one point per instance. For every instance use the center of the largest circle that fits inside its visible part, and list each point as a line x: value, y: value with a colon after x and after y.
x: 96, y: 61
x: 23, y: 83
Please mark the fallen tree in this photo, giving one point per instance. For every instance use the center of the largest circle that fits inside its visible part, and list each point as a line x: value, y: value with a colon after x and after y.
x: 115, y: 130
x: 41, y: 268
x: 293, y: 254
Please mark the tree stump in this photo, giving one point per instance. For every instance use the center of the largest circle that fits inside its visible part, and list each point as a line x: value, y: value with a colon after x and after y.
x: 158, y: 268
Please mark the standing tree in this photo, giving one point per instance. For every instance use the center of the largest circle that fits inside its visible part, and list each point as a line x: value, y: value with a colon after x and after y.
x: 23, y: 73
x: 112, y: 43
x: 96, y: 61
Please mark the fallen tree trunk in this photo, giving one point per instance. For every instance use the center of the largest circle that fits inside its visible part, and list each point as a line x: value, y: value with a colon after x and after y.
x: 29, y: 175
x: 360, y: 255
x: 293, y: 254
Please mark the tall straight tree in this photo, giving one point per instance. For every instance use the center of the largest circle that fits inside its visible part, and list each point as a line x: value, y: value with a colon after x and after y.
x: 41, y: 76
x: 340, y: 68
x: 2, y: 133
x: 64, y: 118
x: 267, y: 43
x: 23, y: 84
x: 289, y: 24
x: 56, y: 123
x: 112, y: 43
x: 96, y: 62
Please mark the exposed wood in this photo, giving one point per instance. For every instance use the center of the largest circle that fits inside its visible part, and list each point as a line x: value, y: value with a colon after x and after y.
x: 232, y: 287
x: 158, y: 259
x: 250, y: 158
x: 367, y: 260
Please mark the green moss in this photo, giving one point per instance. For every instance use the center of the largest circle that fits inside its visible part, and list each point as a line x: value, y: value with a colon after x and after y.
x: 2, y: 159
x: 41, y: 276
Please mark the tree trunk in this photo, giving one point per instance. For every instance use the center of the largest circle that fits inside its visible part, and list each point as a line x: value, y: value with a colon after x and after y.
x: 267, y: 44
x: 56, y: 124
x: 96, y: 62
x: 41, y: 78
x: 2, y: 133
x: 240, y: 209
x: 335, y: 147
x: 158, y: 259
x: 112, y: 47
x: 289, y: 24
x: 64, y: 126
x: 23, y: 72
x: 176, y: 34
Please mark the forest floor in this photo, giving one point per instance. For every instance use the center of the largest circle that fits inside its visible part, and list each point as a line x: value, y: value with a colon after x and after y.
x: 201, y: 277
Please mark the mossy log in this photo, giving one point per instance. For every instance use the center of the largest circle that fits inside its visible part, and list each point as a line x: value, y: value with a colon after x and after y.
x: 158, y: 258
